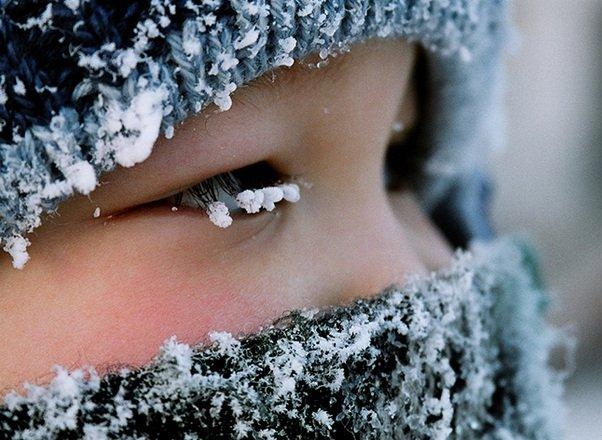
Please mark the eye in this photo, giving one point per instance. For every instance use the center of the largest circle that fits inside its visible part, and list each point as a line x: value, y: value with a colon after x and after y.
x: 404, y: 161
x: 408, y: 152
x: 247, y: 190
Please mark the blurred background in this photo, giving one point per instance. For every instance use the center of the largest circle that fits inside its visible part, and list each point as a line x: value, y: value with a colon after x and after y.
x: 549, y: 176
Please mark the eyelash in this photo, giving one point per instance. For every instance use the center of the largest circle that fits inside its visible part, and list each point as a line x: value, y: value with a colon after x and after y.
x: 258, y: 175
x: 245, y: 190
x: 208, y: 191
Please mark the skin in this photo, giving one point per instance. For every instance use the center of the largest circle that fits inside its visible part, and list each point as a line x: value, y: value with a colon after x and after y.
x: 108, y: 291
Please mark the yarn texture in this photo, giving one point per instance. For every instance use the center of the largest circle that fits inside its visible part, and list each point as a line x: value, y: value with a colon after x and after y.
x: 86, y: 85
x: 459, y: 354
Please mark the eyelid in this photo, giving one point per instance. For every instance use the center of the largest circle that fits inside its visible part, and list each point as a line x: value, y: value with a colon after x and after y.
x: 174, y: 166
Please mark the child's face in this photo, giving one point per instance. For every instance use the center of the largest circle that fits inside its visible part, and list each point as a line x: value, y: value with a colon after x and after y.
x: 109, y: 290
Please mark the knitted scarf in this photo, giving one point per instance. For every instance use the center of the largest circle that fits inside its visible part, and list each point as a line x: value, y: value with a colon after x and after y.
x: 458, y: 354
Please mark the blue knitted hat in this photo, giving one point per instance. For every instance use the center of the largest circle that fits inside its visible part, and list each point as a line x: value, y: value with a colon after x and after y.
x: 86, y: 85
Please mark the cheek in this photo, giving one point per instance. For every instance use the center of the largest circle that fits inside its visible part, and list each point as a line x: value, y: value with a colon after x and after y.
x: 115, y: 292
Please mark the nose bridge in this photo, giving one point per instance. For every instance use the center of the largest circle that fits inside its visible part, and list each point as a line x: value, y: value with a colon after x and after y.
x: 374, y: 250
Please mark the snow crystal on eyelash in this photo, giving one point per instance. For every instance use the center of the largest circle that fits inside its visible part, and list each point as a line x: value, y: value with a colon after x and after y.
x: 253, y: 200
x: 250, y: 200
x: 290, y: 192
x: 271, y: 196
x: 219, y: 214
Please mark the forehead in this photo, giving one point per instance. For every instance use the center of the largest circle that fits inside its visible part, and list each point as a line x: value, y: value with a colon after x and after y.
x: 329, y: 78
x: 303, y: 76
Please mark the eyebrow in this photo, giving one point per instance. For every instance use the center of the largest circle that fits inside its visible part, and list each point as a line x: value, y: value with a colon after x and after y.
x: 271, y: 84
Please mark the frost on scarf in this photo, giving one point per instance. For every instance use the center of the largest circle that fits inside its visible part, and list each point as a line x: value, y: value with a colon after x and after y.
x: 89, y: 85
x: 459, y: 354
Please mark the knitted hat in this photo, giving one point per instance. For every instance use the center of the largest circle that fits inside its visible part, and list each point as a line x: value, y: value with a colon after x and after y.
x: 86, y: 85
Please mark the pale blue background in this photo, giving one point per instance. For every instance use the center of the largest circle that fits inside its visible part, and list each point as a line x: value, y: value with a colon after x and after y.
x: 549, y: 177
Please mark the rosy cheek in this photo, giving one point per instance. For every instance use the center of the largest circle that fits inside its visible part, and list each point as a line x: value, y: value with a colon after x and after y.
x: 175, y: 280
x: 113, y: 293
x: 135, y: 317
